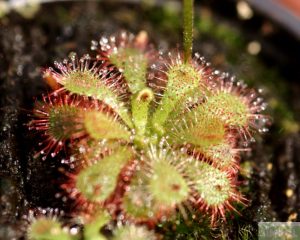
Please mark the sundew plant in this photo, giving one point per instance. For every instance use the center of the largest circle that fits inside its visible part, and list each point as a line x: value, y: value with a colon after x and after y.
x: 148, y: 135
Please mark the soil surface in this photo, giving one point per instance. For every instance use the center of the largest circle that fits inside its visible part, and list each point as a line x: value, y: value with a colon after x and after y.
x: 271, y: 173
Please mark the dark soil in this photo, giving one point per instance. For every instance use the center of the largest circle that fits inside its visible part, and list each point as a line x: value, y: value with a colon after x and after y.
x: 28, y: 45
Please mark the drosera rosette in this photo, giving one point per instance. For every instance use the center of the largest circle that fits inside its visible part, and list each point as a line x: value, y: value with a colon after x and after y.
x: 150, y: 134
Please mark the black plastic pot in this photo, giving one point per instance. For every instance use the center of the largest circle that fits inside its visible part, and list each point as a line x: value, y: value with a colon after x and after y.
x: 28, y: 45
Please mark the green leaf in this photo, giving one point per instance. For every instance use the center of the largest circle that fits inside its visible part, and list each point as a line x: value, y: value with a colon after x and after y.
x: 140, y: 111
x: 197, y: 128
x: 133, y: 64
x: 47, y: 229
x: 229, y: 108
x: 167, y: 185
x: 138, y: 202
x: 92, y: 228
x: 100, y: 125
x: 183, y: 81
x: 63, y: 121
x: 132, y: 232
x: 98, y: 181
x: 212, y: 184
x: 88, y: 83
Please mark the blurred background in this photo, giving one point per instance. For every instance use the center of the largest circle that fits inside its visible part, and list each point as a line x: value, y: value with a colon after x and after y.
x: 256, y: 40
